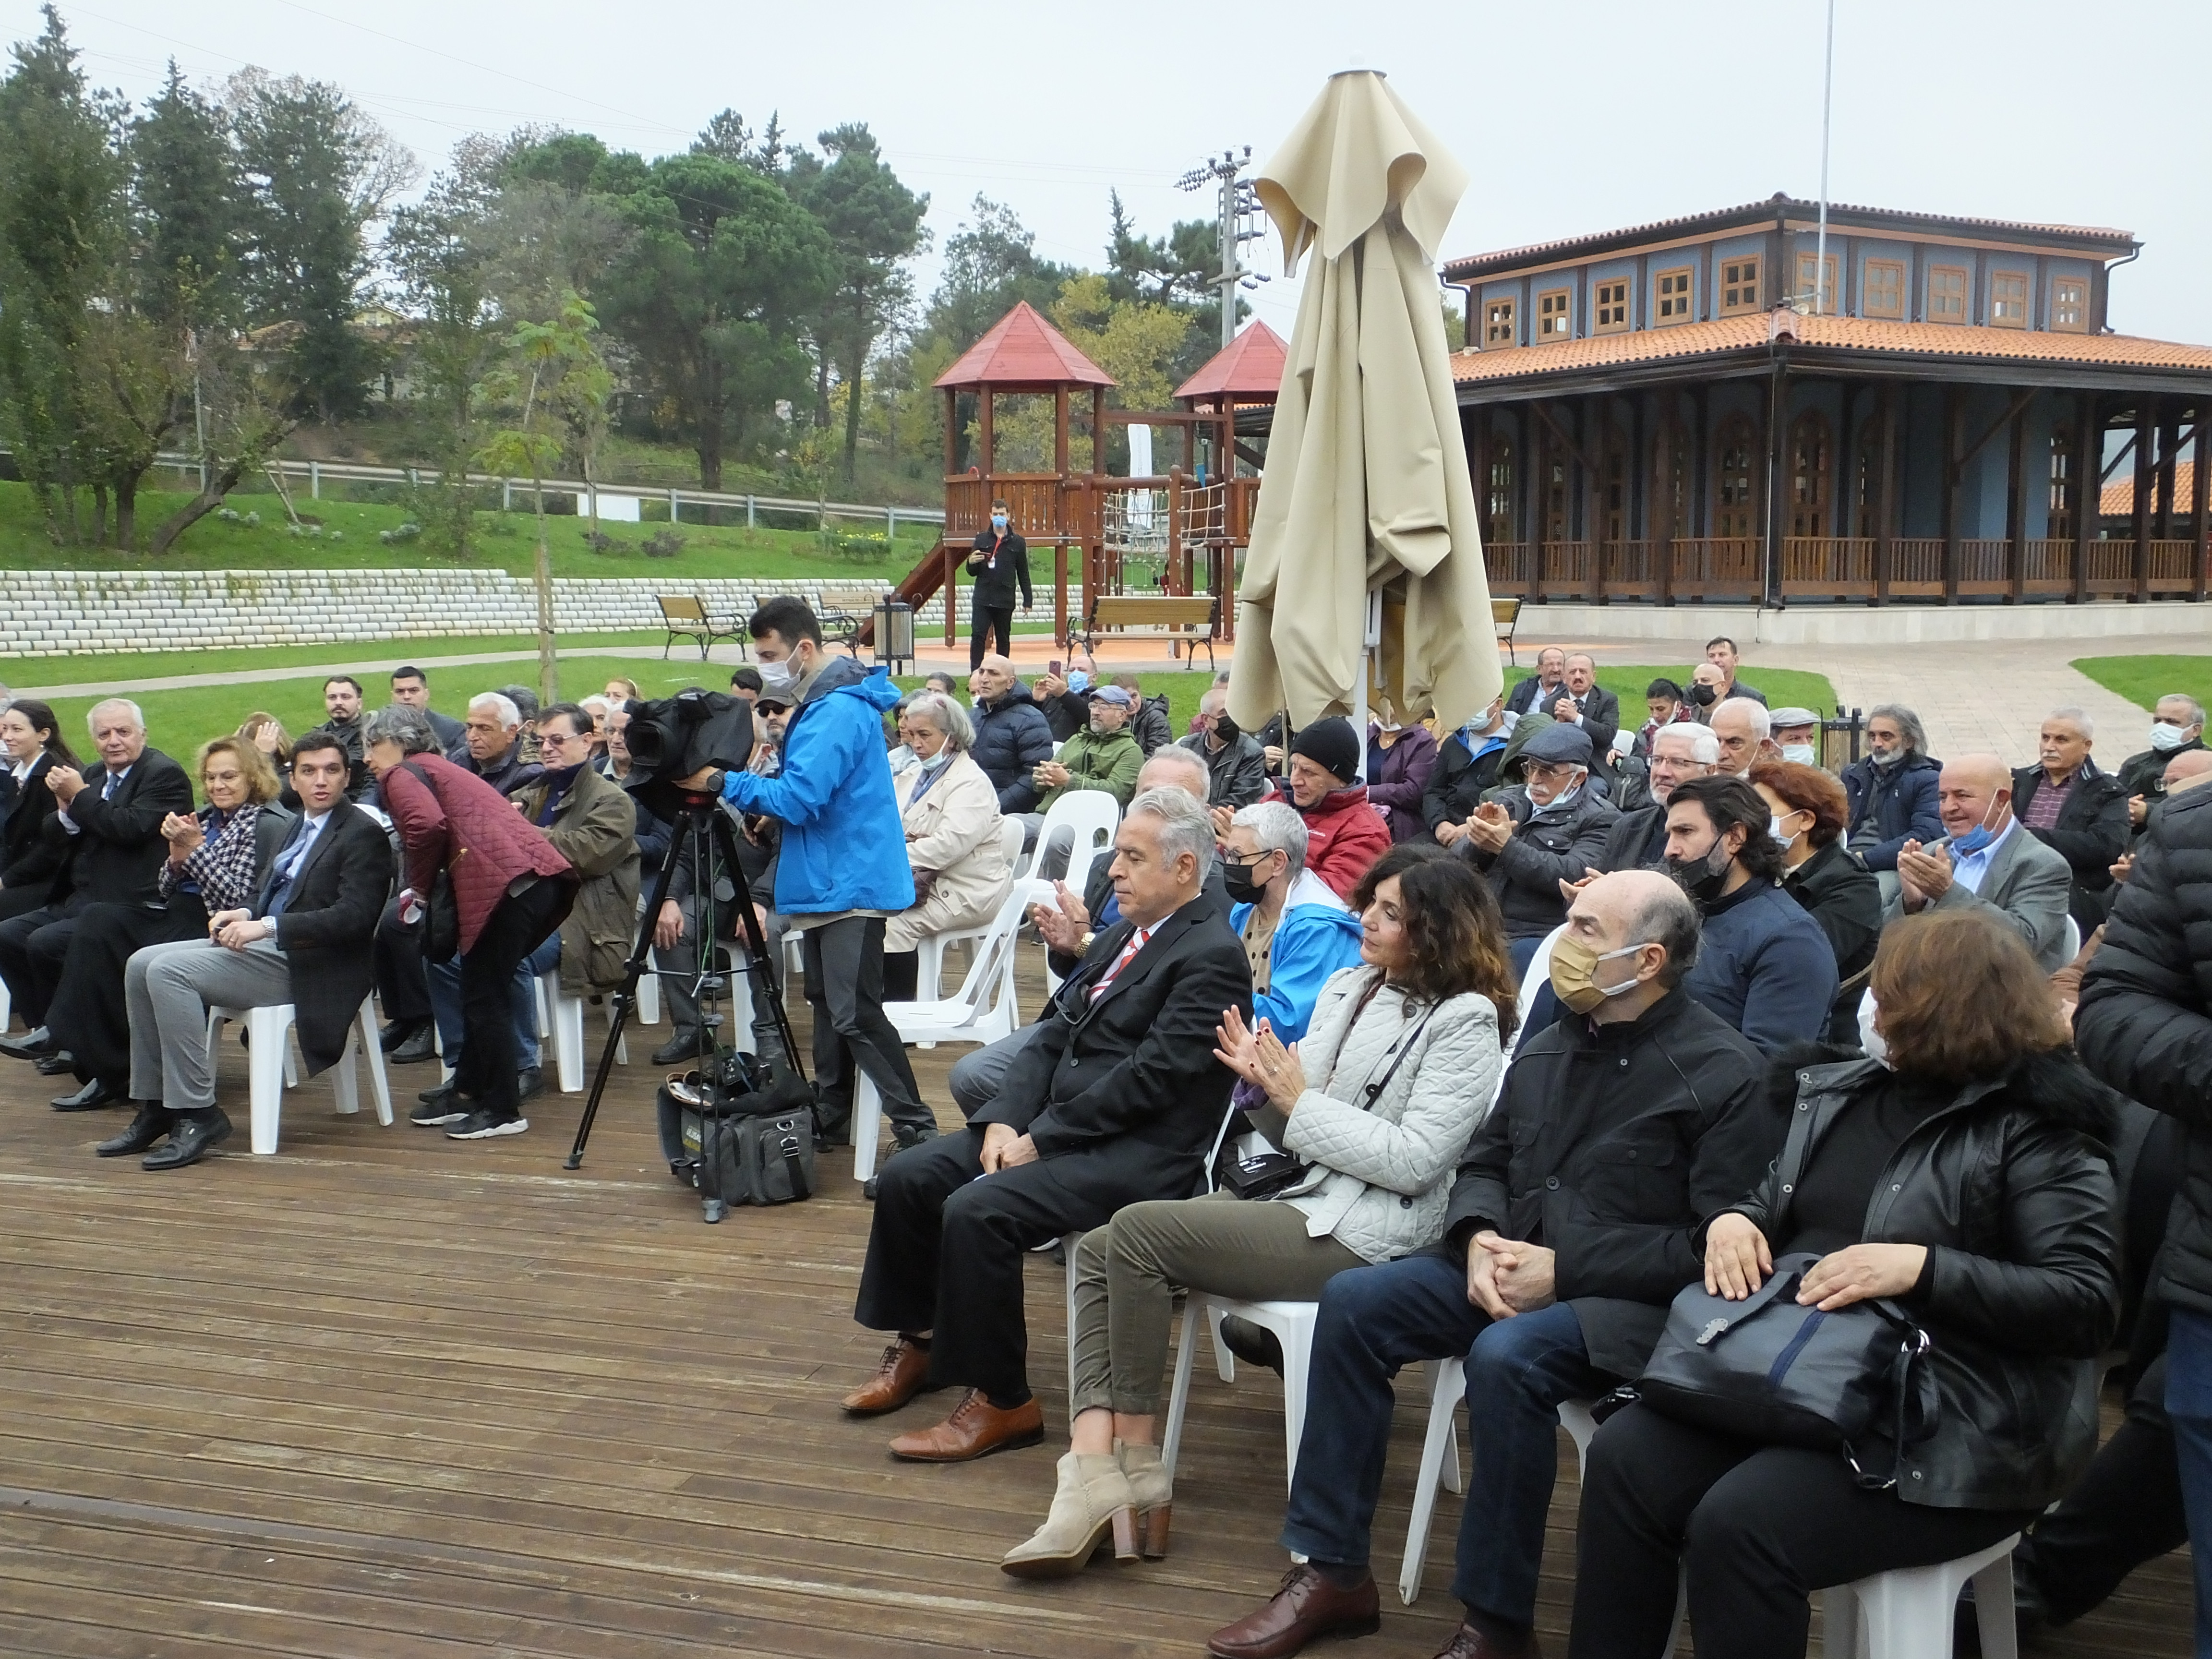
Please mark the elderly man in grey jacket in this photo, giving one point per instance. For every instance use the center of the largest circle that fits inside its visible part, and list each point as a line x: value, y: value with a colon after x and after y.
x: 1987, y: 861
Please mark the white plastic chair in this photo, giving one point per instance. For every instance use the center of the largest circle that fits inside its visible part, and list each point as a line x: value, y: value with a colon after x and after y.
x: 1091, y: 815
x: 269, y: 1032
x: 1292, y: 1323
x: 7, y: 1007
x: 1533, y: 982
x: 929, y: 950
x: 2073, y: 950
x: 561, y: 1022
x: 984, y: 1010
x: 1906, y: 1614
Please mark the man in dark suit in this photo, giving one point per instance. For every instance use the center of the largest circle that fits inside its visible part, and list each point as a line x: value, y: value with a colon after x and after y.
x: 1541, y: 689
x: 1583, y: 702
x: 111, y: 814
x: 1116, y: 1101
x: 411, y: 686
x: 304, y: 940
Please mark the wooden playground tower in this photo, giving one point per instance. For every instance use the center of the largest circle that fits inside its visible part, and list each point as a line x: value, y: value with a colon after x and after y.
x: 1190, y: 521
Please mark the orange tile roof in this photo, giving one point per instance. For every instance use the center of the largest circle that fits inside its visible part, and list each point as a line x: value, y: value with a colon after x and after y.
x: 2117, y: 498
x: 1793, y: 207
x: 1024, y: 351
x: 1749, y: 332
x: 1249, y: 367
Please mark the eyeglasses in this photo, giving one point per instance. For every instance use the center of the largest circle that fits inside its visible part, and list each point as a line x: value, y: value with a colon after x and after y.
x: 1542, y: 770
x: 560, y: 740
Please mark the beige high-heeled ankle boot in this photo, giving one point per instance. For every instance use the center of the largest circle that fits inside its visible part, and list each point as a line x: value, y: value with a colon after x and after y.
x: 1150, y: 1495
x: 1091, y: 1501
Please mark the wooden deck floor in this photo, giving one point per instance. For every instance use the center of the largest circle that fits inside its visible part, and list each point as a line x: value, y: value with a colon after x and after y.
x: 388, y: 1394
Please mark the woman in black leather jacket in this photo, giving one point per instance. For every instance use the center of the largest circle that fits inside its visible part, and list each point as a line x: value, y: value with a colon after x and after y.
x: 1965, y: 1179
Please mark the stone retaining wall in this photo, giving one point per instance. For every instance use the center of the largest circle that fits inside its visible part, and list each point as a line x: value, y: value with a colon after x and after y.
x: 46, y: 613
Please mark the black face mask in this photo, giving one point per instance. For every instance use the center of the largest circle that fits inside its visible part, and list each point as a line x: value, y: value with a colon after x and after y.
x: 1244, y: 888
x: 1226, y: 729
x: 1702, y: 695
x: 1698, y: 877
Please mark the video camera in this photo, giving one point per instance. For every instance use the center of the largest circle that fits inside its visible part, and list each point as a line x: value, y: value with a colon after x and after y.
x: 672, y: 738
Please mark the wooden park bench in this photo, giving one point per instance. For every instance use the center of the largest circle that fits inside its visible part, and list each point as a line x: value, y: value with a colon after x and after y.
x: 684, y: 615
x: 1167, y: 617
x: 1504, y: 615
x: 841, y: 628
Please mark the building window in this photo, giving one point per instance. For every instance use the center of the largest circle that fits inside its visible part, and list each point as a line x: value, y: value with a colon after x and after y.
x: 2069, y: 304
x: 1669, y: 514
x: 1946, y: 294
x: 1498, y: 324
x: 1739, y: 286
x: 1552, y: 315
x: 2007, y: 299
x: 2061, y: 527
x: 1736, y: 506
x: 1499, y: 497
x: 1612, y: 305
x: 1881, y: 293
x: 1615, y: 463
x: 1555, y: 500
x: 1809, y: 468
x: 1805, y: 279
x: 1675, y: 296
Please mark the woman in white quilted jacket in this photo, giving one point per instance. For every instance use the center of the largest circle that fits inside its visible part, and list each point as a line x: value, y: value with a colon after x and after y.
x: 1373, y: 1109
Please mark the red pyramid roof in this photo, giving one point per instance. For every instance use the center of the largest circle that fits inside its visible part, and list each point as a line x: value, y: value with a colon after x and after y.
x: 1024, y: 352
x: 1250, y: 366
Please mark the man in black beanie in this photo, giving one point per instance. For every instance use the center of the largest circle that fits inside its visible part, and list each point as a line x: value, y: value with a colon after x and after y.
x: 1344, y: 833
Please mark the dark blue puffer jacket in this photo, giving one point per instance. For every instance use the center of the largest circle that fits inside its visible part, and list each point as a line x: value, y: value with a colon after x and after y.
x: 1901, y: 800
x: 1011, y: 737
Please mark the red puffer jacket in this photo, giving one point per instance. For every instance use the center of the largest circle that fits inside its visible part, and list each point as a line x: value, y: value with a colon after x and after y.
x: 1344, y: 835
x: 465, y: 825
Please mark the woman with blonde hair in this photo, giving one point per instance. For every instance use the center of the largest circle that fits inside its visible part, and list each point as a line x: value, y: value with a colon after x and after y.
x: 218, y: 859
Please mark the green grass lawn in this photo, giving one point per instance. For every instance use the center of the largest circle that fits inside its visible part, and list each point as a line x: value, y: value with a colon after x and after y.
x: 25, y: 673
x: 2144, y: 680
x: 508, y: 542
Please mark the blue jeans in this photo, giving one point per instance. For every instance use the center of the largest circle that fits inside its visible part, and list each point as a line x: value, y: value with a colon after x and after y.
x: 1375, y: 1320
x: 2189, y: 1407
x: 446, y: 1003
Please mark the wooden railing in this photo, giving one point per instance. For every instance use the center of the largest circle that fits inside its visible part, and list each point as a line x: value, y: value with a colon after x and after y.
x: 2171, y: 567
x: 1719, y: 567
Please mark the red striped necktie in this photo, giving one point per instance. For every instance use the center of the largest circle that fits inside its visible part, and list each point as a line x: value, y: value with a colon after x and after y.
x: 1136, y: 944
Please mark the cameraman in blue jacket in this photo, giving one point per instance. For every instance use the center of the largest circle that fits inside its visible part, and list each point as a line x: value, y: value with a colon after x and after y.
x: 843, y: 868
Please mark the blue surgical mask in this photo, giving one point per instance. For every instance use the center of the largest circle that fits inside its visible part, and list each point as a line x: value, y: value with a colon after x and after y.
x: 1976, y: 838
x: 1077, y: 680
x: 998, y: 521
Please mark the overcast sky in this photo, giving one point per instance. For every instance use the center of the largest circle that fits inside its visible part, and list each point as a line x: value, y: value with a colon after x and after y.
x: 1570, y: 117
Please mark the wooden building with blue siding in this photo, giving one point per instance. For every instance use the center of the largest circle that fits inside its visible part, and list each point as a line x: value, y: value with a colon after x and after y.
x: 1664, y: 413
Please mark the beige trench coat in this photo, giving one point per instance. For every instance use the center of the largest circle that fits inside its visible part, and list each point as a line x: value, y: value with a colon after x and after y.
x: 953, y: 829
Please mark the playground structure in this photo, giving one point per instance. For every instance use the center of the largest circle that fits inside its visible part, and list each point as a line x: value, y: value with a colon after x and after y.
x: 1177, y: 534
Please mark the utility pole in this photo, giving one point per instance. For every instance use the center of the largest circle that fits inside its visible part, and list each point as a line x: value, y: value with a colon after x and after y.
x: 1238, y: 207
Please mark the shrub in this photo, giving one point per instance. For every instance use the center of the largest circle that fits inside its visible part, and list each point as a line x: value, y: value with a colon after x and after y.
x: 399, y: 534
x: 663, y: 545
x: 860, y: 549
x: 599, y: 542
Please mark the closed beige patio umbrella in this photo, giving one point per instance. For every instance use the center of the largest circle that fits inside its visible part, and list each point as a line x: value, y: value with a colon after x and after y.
x: 1364, y: 536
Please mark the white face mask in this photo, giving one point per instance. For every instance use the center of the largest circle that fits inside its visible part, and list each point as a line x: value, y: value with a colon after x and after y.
x: 2164, y: 737
x: 1774, y: 829
x: 1870, y: 1039
x: 776, y: 676
x: 931, y: 763
x: 1800, y: 752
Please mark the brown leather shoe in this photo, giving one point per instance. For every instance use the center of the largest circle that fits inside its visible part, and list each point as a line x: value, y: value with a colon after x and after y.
x: 902, y: 1373
x: 1305, y: 1609
x: 975, y: 1429
x: 1468, y: 1642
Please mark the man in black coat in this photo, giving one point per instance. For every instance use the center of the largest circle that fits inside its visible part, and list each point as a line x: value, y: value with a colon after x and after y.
x: 2076, y: 811
x: 2144, y: 1026
x: 2177, y: 727
x: 411, y: 686
x: 304, y: 940
x: 111, y: 814
x: 1540, y: 690
x: 1000, y: 563
x: 1638, y: 840
x: 1469, y: 762
x: 1571, y: 1227
x: 1012, y: 734
x: 1583, y: 702
x: 1116, y: 1101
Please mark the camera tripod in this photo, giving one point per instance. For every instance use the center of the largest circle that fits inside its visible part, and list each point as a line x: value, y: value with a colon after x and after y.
x: 704, y: 834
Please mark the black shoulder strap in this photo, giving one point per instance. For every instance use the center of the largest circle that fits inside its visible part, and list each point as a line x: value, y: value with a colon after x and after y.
x: 789, y: 1146
x: 1374, y: 1091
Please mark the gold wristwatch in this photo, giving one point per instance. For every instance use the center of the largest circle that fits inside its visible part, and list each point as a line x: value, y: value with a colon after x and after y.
x: 1083, y: 945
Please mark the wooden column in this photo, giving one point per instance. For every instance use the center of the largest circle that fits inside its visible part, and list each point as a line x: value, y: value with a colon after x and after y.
x: 1059, y: 515
x: 2169, y: 447
x: 987, y: 457
x: 1778, y: 473
x: 2200, y: 496
x: 1094, y: 554
x: 1659, y: 499
x: 2089, y: 486
x: 2016, y: 509
x: 951, y: 431
x: 1955, y: 426
x: 1596, y: 430
x: 2146, y: 430
x: 1544, y: 442
x: 1524, y: 475
x: 1844, y: 466
x: 1885, y: 512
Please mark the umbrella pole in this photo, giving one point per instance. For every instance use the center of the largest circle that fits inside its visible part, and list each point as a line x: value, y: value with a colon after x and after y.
x: 1370, y: 642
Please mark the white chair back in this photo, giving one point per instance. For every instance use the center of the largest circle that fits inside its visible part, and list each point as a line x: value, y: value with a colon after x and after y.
x: 1091, y: 815
x: 2073, y: 938
x: 1009, y: 839
x: 1539, y: 976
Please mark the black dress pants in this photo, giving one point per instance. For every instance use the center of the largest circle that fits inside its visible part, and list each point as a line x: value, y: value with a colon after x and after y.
x: 88, y: 1017
x: 946, y: 1251
x: 1758, y: 1527
x: 403, y: 979
x: 518, y: 924
x: 2126, y: 1510
x: 844, y: 962
x: 15, y: 901
x: 32, y: 947
x: 984, y: 621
